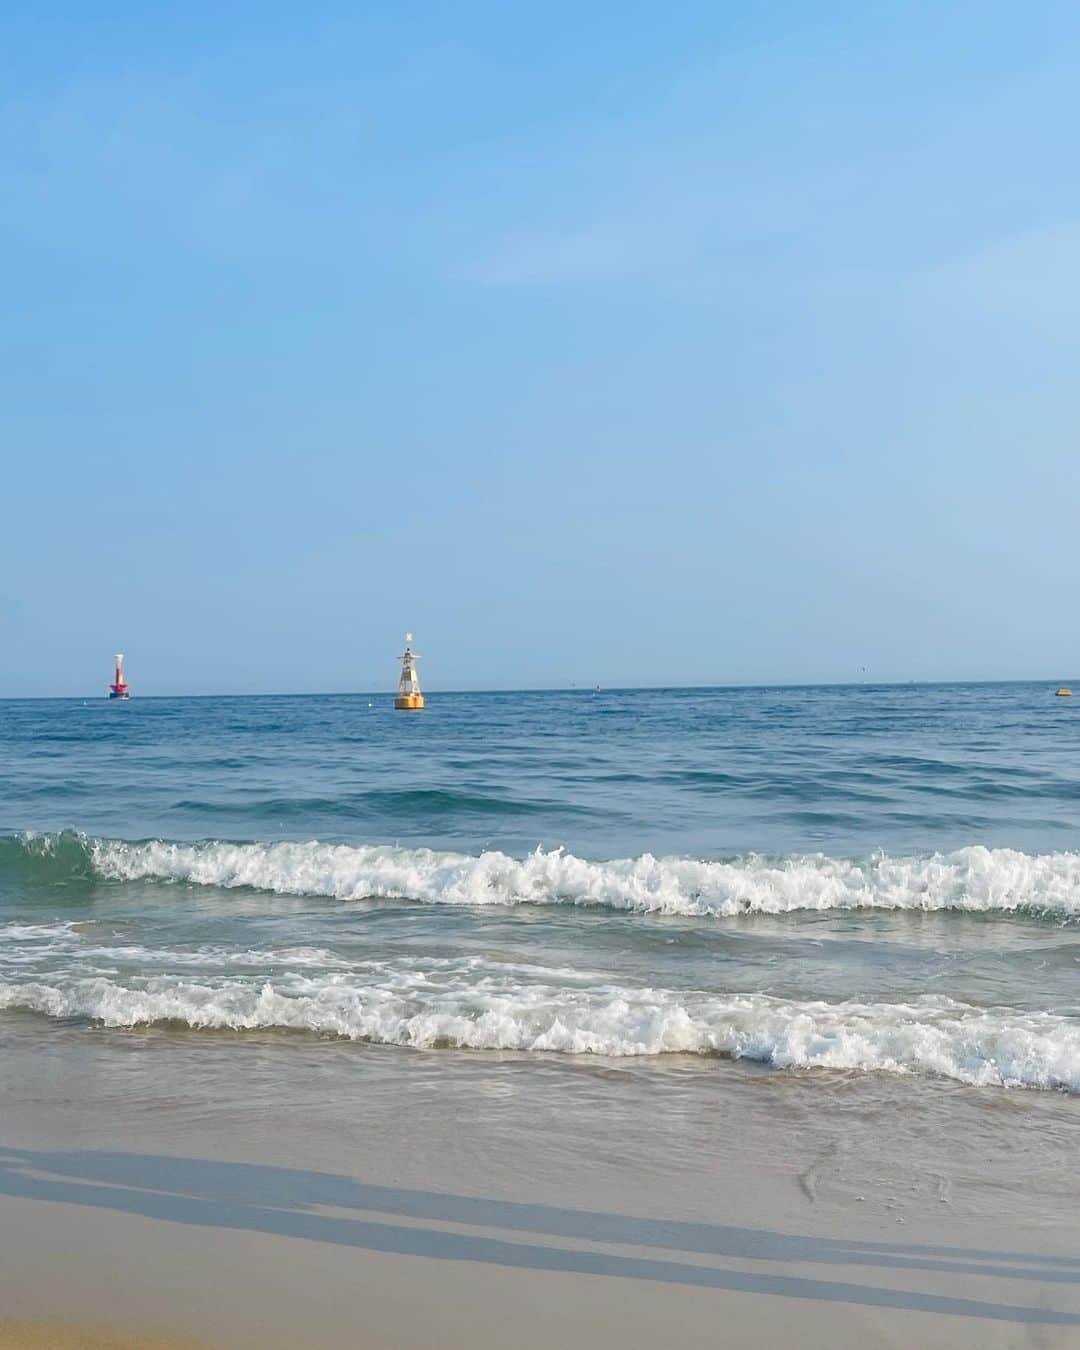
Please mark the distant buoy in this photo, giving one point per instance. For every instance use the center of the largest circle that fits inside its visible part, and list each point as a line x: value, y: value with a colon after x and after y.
x: 409, y: 698
x: 1063, y: 692
x: 118, y: 688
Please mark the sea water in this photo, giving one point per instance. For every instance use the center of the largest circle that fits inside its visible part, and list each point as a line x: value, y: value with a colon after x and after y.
x: 872, y: 880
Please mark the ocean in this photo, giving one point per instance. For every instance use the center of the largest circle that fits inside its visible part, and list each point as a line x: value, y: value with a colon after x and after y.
x: 880, y: 881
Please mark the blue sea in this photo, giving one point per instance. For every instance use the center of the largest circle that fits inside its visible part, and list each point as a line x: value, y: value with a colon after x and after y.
x: 869, y: 882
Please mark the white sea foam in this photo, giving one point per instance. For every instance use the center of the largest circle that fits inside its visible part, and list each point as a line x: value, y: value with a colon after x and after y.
x: 24, y: 944
x: 974, y: 879
x: 36, y: 932
x: 463, y: 1004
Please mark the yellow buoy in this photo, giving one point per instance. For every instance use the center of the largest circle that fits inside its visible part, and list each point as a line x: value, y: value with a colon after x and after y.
x: 409, y: 698
x: 1063, y: 692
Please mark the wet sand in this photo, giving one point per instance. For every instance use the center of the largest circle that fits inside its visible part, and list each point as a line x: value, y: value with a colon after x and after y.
x: 277, y: 1271
x: 61, y: 1336
x: 298, y: 1194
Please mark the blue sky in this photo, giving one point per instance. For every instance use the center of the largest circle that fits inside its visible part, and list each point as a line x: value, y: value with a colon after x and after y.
x: 609, y: 343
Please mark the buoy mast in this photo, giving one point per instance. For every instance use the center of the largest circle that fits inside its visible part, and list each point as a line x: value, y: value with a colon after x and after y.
x: 409, y: 698
x: 118, y: 688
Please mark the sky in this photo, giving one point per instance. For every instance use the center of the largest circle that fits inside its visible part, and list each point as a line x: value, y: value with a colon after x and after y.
x: 616, y: 344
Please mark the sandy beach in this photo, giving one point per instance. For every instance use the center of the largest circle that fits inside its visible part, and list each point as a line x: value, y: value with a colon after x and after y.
x: 21, y: 1335
x: 432, y: 1200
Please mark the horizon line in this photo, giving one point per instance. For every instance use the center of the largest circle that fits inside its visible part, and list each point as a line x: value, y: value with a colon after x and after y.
x: 544, y: 689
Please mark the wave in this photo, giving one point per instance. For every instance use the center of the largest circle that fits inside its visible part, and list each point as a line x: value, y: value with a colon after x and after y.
x: 973, y: 879
x: 450, y: 1004
x: 429, y: 803
x: 59, y: 858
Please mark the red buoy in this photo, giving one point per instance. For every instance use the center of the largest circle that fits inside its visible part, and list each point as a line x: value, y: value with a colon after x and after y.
x: 118, y: 688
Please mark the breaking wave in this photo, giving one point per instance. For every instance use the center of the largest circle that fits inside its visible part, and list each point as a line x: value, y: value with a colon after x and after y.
x: 974, y: 879
x: 474, y: 1005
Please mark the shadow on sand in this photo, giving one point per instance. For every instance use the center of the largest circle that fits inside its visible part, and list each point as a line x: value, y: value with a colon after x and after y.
x: 284, y: 1201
